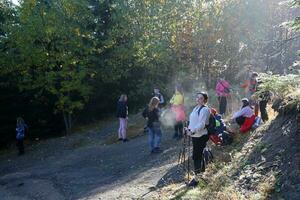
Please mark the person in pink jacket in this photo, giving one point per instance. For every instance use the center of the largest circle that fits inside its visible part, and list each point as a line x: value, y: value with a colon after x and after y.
x: 222, y: 91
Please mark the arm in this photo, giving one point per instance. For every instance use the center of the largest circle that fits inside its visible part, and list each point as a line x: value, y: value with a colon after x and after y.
x: 239, y: 113
x: 162, y: 99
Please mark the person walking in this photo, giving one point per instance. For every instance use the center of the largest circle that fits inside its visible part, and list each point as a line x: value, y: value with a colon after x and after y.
x: 122, y: 114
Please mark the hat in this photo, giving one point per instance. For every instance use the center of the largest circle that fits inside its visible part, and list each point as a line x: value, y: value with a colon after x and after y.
x: 245, y: 99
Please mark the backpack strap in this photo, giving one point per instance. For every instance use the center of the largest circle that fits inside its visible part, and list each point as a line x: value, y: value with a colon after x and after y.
x: 200, y: 109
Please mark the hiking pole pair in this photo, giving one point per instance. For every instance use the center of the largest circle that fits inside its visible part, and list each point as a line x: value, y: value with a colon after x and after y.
x: 185, y: 151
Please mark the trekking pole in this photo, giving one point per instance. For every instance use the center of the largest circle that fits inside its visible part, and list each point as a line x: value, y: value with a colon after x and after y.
x: 188, y: 158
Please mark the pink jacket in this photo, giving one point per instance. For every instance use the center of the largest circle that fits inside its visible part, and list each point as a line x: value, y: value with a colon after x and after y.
x: 220, y: 88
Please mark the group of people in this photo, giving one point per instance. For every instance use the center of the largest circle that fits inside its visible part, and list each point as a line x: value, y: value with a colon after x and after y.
x: 199, y: 119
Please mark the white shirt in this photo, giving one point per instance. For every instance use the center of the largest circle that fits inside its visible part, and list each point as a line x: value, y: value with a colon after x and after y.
x: 245, y: 112
x: 198, y: 122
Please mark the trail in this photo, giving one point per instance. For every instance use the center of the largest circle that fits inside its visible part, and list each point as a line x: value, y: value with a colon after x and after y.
x: 77, y: 167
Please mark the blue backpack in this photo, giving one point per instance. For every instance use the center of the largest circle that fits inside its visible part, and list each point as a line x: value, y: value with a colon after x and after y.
x: 20, y: 133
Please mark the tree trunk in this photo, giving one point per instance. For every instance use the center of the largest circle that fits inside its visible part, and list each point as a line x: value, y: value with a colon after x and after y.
x: 68, y: 122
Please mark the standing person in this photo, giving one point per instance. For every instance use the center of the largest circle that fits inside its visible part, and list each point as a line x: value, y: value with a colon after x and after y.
x: 21, y: 129
x: 156, y: 93
x: 199, y: 119
x: 122, y: 114
x: 177, y: 107
x: 152, y: 114
x: 265, y: 98
x: 222, y: 91
x: 250, y: 86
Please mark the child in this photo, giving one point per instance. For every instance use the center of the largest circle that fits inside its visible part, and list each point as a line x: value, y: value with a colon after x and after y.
x: 20, y: 134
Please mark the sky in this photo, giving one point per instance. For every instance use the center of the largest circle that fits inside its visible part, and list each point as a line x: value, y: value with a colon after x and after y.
x: 15, y: 2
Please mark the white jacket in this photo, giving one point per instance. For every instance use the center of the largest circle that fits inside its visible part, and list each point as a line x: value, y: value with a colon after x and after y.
x: 198, y: 122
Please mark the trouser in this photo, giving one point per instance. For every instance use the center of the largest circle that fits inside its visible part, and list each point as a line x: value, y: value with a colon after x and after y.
x: 263, y: 110
x: 199, y: 143
x: 178, y: 128
x: 240, y: 120
x: 222, y: 105
x: 154, y: 137
x: 20, y: 145
x: 122, y: 128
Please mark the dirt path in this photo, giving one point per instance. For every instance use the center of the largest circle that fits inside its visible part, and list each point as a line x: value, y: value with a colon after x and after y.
x: 76, y: 168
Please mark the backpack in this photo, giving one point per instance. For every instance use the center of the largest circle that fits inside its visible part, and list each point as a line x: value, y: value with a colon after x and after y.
x: 207, y: 157
x: 20, y: 133
x: 211, y: 126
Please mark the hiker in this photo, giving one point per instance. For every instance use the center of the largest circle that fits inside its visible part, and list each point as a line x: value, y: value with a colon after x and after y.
x: 264, y: 99
x: 21, y: 129
x: 122, y: 114
x: 245, y: 116
x: 250, y: 86
x: 152, y: 114
x: 177, y: 108
x: 198, y: 120
x: 222, y: 91
x: 156, y: 93
x: 222, y: 135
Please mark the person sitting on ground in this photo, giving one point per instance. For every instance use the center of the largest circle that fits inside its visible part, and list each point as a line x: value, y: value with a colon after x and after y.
x: 122, y: 114
x: 244, y: 117
x: 21, y: 129
x: 152, y: 114
x: 177, y: 107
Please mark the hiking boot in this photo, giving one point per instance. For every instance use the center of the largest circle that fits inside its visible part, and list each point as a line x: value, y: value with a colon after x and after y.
x: 193, y: 183
x: 125, y: 140
x: 157, y: 150
x: 120, y: 139
x: 175, y: 136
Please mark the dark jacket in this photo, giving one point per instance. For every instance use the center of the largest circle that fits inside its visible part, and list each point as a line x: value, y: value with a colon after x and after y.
x: 122, y: 109
x: 153, y: 116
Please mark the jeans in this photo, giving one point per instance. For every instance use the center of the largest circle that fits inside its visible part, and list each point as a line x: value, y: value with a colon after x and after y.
x: 154, y: 136
x: 122, y: 128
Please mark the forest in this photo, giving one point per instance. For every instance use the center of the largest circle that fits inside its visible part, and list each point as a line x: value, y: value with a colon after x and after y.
x: 65, y: 63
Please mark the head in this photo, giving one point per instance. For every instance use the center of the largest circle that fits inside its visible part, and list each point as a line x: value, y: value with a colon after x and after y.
x: 245, y: 102
x: 20, y: 121
x: 202, y: 98
x: 153, y: 103
x: 254, y: 75
x: 123, y: 97
x: 213, y: 111
x: 156, y: 90
x: 178, y: 88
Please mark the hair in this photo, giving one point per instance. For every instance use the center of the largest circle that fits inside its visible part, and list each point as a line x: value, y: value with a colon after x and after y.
x: 254, y: 74
x: 204, y: 94
x: 122, y: 97
x: 179, y: 88
x: 153, y: 103
x: 20, y: 121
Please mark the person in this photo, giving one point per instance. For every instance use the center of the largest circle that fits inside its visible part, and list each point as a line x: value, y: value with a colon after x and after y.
x: 245, y: 116
x: 198, y: 121
x: 222, y: 133
x: 265, y: 98
x: 21, y: 129
x: 122, y: 114
x: 177, y: 107
x: 156, y: 93
x: 250, y: 86
x: 222, y: 91
x: 152, y: 114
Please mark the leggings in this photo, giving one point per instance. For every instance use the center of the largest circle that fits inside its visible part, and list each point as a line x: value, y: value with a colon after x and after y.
x: 122, y: 128
x: 199, y: 143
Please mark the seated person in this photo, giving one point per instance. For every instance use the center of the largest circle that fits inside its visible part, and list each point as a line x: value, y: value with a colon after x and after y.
x: 245, y: 116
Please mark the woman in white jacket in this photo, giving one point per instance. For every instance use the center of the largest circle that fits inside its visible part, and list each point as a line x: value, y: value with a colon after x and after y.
x: 197, y: 130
